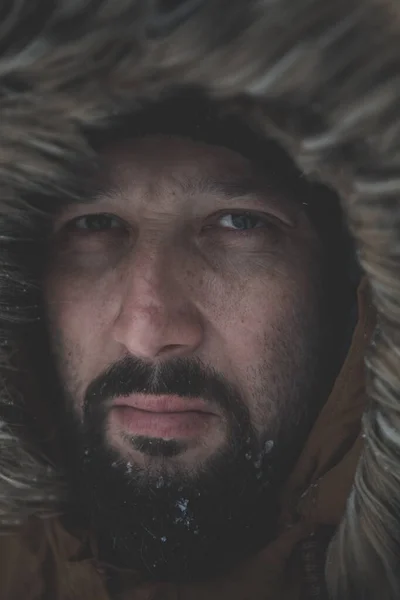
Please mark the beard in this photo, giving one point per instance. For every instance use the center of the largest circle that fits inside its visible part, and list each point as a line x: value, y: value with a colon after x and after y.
x: 181, y: 524
x: 169, y: 522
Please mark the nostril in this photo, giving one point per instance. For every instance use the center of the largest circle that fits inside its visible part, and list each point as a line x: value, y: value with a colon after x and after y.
x: 170, y: 347
x: 171, y: 350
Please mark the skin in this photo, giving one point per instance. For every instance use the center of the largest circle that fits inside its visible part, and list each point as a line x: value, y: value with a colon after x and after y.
x: 171, y: 275
x: 185, y: 254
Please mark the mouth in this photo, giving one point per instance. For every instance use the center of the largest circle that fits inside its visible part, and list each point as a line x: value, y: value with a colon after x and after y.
x: 165, y: 417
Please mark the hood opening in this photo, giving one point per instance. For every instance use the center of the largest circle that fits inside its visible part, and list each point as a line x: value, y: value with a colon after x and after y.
x: 321, y: 78
x: 188, y: 113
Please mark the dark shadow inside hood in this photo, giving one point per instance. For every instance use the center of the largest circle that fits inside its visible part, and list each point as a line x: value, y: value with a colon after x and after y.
x: 320, y: 78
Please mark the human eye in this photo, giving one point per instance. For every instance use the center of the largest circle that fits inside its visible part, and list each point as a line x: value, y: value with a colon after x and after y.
x: 92, y: 223
x: 92, y: 240
x: 244, y: 221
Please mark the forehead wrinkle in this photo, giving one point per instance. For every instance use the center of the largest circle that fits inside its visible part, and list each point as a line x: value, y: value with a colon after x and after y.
x: 225, y: 182
x: 168, y: 183
x: 177, y: 189
x: 225, y: 187
x: 118, y: 193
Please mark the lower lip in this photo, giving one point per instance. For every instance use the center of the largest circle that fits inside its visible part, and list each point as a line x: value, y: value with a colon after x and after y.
x: 170, y: 425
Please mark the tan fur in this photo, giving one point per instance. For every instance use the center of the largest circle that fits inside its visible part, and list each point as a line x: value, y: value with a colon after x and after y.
x: 324, y: 78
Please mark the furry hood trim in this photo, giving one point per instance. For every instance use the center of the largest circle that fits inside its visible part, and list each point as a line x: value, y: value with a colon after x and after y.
x: 322, y: 77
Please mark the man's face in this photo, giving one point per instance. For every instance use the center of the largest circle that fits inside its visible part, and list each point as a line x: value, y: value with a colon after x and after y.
x: 185, y: 318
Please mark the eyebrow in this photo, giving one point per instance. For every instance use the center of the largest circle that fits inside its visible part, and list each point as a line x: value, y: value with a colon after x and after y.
x: 256, y: 188
x: 227, y: 188
x: 234, y: 187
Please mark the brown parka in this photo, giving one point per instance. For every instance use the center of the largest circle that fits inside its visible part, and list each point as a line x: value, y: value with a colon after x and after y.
x: 45, y: 560
x: 323, y: 79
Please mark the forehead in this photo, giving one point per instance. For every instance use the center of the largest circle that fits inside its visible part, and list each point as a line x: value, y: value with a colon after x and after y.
x: 172, y: 170
x: 169, y: 171
x: 169, y: 157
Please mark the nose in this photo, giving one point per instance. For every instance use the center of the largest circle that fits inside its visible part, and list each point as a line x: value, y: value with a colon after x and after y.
x: 156, y: 318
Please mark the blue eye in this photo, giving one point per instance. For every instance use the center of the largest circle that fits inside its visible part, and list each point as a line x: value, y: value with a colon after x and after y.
x: 96, y: 222
x: 242, y: 221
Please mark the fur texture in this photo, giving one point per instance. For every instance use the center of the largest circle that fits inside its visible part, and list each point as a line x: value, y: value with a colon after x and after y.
x: 322, y: 77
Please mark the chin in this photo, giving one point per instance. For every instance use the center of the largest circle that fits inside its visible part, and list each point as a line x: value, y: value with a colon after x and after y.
x: 147, y: 450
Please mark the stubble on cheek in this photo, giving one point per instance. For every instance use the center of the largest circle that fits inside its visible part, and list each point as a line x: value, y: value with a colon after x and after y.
x: 289, y: 346
x: 67, y: 358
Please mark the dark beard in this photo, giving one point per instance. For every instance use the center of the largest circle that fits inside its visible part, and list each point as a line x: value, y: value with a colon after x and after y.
x: 183, y: 528
x: 178, y: 526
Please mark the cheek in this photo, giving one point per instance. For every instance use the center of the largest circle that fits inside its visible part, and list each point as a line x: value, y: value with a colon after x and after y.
x: 258, y: 319
x: 251, y: 321
x: 246, y: 300
x: 77, y: 320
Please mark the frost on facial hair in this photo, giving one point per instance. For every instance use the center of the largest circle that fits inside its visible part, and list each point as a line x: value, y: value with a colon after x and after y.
x: 258, y: 459
x: 185, y: 516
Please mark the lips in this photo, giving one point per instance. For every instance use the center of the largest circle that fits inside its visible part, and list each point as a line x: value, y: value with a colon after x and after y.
x: 167, y: 417
x: 163, y: 404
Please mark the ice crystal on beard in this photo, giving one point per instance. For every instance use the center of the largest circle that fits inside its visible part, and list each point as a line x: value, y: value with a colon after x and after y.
x: 182, y: 504
x: 269, y: 444
x: 185, y: 518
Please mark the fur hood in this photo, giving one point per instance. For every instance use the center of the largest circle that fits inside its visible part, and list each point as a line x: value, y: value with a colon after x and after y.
x: 322, y: 77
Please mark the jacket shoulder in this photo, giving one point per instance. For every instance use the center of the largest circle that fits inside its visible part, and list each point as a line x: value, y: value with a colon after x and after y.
x: 36, y: 563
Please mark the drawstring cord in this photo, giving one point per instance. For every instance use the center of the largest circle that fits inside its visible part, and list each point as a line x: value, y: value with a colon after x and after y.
x: 312, y: 555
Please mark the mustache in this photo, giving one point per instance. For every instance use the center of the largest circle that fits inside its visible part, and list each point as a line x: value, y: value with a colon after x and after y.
x: 185, y: 377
